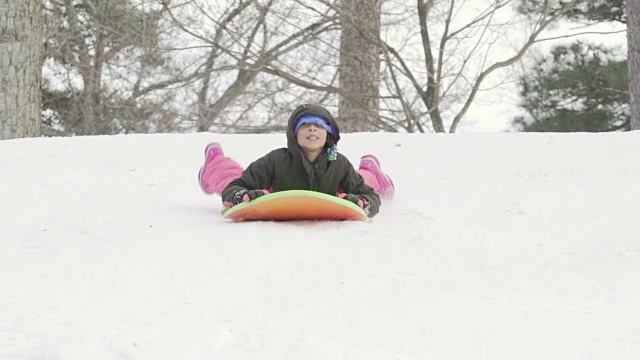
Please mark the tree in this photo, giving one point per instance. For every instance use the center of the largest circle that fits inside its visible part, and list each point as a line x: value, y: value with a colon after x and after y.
x: 268, y: 56
x: 20, y: 68
x: 359, y: 64
x: 579, y: 87
x: 457, y: 57
x: 589, y: 11
x: 633, y: 36
x: 257, y: 60
x: 107, y: 70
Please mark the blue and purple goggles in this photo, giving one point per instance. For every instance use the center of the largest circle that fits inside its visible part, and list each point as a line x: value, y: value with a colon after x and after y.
x: 312, y: 119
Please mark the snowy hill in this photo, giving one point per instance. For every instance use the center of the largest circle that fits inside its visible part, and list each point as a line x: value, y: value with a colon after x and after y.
x: 497, y: 246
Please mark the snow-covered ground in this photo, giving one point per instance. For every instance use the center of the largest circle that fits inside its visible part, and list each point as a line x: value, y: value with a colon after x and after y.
x: 497, y: 246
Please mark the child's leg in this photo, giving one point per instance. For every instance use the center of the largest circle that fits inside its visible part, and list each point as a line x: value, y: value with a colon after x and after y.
x: 374, y: 176
x: 370, y: 180
x: 218, y: 171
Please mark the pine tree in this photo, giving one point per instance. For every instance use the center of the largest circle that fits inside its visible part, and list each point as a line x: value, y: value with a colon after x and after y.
x: 577, y: 87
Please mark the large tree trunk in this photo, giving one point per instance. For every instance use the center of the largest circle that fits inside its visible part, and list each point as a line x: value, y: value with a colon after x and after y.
x: 359, y: 65
x: 21, y: 44
x: 633, y: 38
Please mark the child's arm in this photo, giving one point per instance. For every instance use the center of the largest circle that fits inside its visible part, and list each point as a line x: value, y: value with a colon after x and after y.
x: 251, y: 184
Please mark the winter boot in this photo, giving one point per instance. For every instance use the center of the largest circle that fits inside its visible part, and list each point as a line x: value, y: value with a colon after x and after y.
x: 211, y: 152
x: 371, y: 164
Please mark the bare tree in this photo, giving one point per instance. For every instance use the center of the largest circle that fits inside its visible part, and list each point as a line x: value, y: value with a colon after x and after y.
x: 258, y: 60
x: 427, y: 84
x: 457, y: 56
x: 107, y: 69
x: 242, y: 65
x: 633, y: 38
x: 20, y: 68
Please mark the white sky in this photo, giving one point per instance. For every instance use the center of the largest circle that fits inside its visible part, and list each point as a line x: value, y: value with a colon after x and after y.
x: 497, y: 246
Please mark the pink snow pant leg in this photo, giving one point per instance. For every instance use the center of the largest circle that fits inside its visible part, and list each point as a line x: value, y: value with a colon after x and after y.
x: 370, y: 180
x: 220, y: 172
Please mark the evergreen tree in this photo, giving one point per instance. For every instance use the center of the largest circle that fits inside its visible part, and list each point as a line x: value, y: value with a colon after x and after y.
x: 578, y: 87
x: 589, y: 11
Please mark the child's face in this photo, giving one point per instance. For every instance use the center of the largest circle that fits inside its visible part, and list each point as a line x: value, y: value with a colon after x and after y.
x: 311, y: 137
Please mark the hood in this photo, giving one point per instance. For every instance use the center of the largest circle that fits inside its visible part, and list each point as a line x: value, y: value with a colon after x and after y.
x: 311, y: 109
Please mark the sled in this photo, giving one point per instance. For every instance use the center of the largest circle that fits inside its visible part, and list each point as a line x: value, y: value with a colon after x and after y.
x: 296, y: 205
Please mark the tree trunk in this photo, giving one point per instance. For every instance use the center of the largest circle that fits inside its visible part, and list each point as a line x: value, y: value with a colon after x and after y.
x: 359, y: 65
x: 21, y: 44
x: 633, y: 38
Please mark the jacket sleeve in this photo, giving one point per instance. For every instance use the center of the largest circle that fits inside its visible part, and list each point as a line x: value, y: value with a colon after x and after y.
x: 257, y: 176
x: 353, y: 183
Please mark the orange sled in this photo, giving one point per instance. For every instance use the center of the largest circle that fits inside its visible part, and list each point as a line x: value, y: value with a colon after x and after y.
x: 296, y: 205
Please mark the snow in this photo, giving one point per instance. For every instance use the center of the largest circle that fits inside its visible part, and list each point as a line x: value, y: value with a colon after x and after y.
x: 497, y: 246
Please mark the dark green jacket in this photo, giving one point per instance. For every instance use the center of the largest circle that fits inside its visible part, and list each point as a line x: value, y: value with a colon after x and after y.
x: 287, y: 168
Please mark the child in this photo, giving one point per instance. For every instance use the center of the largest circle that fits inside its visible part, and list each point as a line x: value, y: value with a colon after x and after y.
x: 309, y: 162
